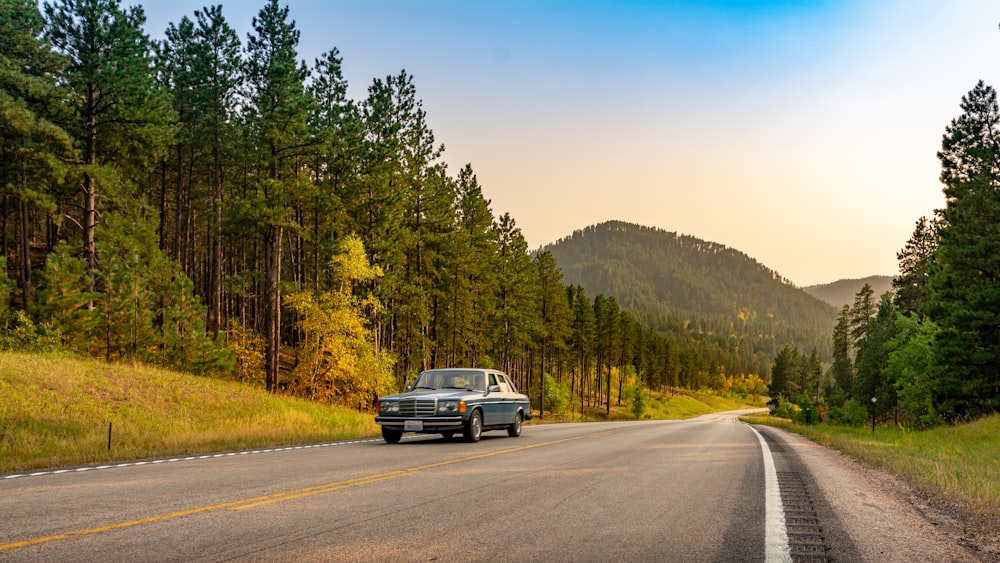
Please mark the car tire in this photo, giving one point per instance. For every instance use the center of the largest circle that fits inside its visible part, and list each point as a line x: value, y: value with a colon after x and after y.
x: 514, y: 430
x: 391, y: 435
x: 474, y: 428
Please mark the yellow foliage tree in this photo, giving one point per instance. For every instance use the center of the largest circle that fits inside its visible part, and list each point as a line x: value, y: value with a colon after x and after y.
x: 248, y: 346
x: 337, y: 361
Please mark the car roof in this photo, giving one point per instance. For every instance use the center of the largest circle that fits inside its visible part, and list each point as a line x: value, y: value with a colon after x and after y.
x: 463, y: 369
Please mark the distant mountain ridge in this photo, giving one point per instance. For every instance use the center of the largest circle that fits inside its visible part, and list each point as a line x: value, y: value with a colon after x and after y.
x: 714, y: 292
x: 842, y: 292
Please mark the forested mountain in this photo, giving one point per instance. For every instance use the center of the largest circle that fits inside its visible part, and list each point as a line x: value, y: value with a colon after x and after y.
x: 842, y: 292
x: 693, y: 289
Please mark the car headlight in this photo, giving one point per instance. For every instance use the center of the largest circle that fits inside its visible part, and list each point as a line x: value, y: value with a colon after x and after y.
x: 449, y: 407
x: 388, y: 406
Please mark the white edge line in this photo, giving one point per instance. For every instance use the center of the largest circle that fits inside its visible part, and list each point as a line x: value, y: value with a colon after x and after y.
x: 190, y: 458
x: 775, y: 533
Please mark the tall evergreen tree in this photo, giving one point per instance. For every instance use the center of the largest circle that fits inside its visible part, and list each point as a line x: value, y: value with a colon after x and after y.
x: 873, y: 356
x: 202, y: 64
x: 553, y: 313
x: 863, y: 311
x: 514, y: 322
x: 471, y: 279
x: 336, y: 124
x: 34, y: 146
x: 785, y: 373
x: 280, y: 110
x: 912, y: 285
x: 124, y: 117
x: 582, y: 335
x: 843, y: 367
x: 965, y: 278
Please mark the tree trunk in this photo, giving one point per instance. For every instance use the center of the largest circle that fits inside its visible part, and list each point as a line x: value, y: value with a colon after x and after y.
x: 25, y: 269
x: 215, y: 263
x: 273, y: 315
x: 90, y: 193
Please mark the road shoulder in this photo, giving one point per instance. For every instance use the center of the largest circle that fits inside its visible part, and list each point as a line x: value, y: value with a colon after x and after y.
x: 885, y: 519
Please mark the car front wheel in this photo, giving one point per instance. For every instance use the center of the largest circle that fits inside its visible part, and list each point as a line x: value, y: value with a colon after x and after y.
x: 474, y: 429
x: 514, y: 430
x: 391, y: 436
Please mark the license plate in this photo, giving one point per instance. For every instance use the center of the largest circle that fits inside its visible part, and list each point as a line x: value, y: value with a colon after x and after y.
x: 413, y: 426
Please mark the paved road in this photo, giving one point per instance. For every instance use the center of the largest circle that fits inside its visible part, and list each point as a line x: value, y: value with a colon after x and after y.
x: 627, y: 491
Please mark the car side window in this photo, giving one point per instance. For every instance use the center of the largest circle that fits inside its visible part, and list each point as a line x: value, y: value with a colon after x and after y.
x: 505, y: 386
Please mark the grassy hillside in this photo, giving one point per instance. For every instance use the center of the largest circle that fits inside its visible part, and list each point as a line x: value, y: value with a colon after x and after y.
x: 56, y: 411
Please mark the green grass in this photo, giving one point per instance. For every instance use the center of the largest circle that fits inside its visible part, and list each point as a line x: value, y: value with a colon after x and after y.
x: 957, y: 464
x: 687, y: 404
x: 675, y: 404
x: 55, y: 411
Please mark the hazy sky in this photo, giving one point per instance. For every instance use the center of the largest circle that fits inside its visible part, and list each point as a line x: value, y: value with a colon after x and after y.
x: 802, y: 133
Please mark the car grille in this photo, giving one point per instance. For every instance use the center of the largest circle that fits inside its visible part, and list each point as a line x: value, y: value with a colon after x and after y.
x: 417, y: 406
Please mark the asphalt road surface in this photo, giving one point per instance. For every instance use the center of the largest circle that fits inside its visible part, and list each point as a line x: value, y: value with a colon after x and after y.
x: 707, y: 489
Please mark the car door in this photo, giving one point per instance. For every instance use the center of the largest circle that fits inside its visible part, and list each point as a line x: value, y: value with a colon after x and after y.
x: 509, y: 398
x: 493, y: 403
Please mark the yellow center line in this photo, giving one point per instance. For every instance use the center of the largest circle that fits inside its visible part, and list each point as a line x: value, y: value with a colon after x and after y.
x: 293, y: 494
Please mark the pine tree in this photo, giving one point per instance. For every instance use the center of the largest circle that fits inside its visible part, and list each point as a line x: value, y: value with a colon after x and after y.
x: 873, y: 356
x: 843, y: 367
x: 553, y: 313
x: 63, y: 297
x: 785, y: 373
x: 912, y: 285
x: 965, y: 277
x: 582, y: 335
x: 470, y: 277
x: 34, y: 146
x: 219, y: 62
x: 336, y: 125
x: 863, y: 311
x: 513, y: 318
x: 123, y: 116
x: 280, y: 109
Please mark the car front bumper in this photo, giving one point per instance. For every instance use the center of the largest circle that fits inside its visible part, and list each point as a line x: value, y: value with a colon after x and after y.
x: 427, y: 424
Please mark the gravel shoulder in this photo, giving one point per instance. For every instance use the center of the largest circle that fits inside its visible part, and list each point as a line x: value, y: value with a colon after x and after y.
x: 884, y: 518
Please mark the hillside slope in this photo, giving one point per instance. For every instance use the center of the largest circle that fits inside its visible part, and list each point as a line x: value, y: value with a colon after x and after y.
x: 670, y: 280
x: 842, y: 292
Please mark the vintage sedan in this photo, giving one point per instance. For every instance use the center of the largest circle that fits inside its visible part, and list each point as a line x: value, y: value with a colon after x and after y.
x: 446, y: 401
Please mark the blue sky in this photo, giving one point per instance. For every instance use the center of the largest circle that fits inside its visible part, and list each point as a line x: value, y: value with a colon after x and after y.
x: 802, y: 133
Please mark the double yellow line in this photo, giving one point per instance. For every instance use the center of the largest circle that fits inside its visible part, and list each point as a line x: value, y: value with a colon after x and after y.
x: 273, y: 498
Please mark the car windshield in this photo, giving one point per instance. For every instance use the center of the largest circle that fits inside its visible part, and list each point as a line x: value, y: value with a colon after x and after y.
x: 451, y: 379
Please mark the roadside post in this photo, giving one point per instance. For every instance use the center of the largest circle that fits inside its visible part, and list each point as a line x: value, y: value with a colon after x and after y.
x: 874, y: 400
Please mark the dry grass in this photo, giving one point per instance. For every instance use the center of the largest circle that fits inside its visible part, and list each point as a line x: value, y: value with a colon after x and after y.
x: 56, y: 411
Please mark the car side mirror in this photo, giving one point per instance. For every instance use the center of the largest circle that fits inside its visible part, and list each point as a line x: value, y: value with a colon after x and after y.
x: 492, y: 389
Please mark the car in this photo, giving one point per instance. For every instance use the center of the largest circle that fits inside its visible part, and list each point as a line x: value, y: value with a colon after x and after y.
x: 451, y: 400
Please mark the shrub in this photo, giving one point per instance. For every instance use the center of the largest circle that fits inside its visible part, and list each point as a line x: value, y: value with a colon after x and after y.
x: 807, y: 411
x: 785, y: 408
x: 852, y: 413
x: 23, y: 335
x: 556, y: 395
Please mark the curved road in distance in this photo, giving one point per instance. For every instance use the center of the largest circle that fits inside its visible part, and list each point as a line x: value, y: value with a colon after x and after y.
x: 687, y: 491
